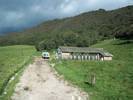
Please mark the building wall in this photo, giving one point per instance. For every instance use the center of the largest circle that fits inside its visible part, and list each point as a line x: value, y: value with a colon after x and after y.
x: 107, y: 58
x: 79, y: 56
x: 66, y: 56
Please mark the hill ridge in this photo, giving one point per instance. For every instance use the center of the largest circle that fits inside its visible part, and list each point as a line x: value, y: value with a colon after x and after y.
x: 89, y: 28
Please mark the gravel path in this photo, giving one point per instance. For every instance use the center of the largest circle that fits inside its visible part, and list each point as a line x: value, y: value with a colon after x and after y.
x: 40, y: 82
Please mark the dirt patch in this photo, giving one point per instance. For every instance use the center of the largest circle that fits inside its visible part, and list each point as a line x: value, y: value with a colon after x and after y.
x: 39, y: 82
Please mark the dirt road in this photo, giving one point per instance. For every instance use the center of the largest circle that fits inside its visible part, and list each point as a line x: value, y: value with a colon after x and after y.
x: 39, y: 82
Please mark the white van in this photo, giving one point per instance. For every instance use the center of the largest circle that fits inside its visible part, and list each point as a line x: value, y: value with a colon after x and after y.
x: 45, y: 55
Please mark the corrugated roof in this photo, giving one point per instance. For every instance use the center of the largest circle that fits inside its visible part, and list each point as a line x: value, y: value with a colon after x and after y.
x: 84, y: 50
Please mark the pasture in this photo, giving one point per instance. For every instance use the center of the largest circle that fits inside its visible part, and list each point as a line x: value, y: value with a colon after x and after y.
x: 114, y: 79
x: 12, y: 60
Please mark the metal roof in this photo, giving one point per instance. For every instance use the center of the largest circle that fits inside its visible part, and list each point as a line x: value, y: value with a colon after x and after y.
x: 84, y: 50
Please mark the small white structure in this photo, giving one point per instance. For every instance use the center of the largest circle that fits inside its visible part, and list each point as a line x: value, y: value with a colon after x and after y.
x: 45, y: 55
x: 83, y: 53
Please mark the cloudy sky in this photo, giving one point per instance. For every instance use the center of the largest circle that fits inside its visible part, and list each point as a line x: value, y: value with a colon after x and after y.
x: 19, y: 14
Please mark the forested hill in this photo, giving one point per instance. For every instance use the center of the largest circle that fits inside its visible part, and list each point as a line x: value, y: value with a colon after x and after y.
x: 81, y: 30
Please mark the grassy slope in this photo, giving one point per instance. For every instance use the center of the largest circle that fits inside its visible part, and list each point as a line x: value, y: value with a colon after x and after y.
x: 114, y: 79
x: 12, y: 58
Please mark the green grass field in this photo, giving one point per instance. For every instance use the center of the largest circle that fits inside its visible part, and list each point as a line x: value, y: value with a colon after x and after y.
x: 114, y: 79
x: 12, y: 59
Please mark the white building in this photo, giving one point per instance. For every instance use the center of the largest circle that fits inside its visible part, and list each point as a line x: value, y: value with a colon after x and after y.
x: 83, y: 53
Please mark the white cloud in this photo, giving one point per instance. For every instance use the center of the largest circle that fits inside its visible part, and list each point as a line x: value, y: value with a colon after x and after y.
x: 69, y: 7
x: 74, y: 7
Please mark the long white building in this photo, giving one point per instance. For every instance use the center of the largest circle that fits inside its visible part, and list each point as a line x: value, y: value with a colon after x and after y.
x: 83, y: 53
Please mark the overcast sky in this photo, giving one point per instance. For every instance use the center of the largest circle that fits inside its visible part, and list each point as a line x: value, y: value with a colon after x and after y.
x: 16, y: 14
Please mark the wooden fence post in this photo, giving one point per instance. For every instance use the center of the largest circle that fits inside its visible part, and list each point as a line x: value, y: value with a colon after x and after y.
x: 93, y: 79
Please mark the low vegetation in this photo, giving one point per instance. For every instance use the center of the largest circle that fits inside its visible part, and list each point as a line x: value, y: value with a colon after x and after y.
x: 114, y: 79
x: 12, y: 60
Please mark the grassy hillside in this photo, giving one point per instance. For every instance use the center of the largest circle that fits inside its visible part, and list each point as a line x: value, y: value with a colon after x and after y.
x: 114, y: 79
x: 89, y: 28
x: 12, y: 59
